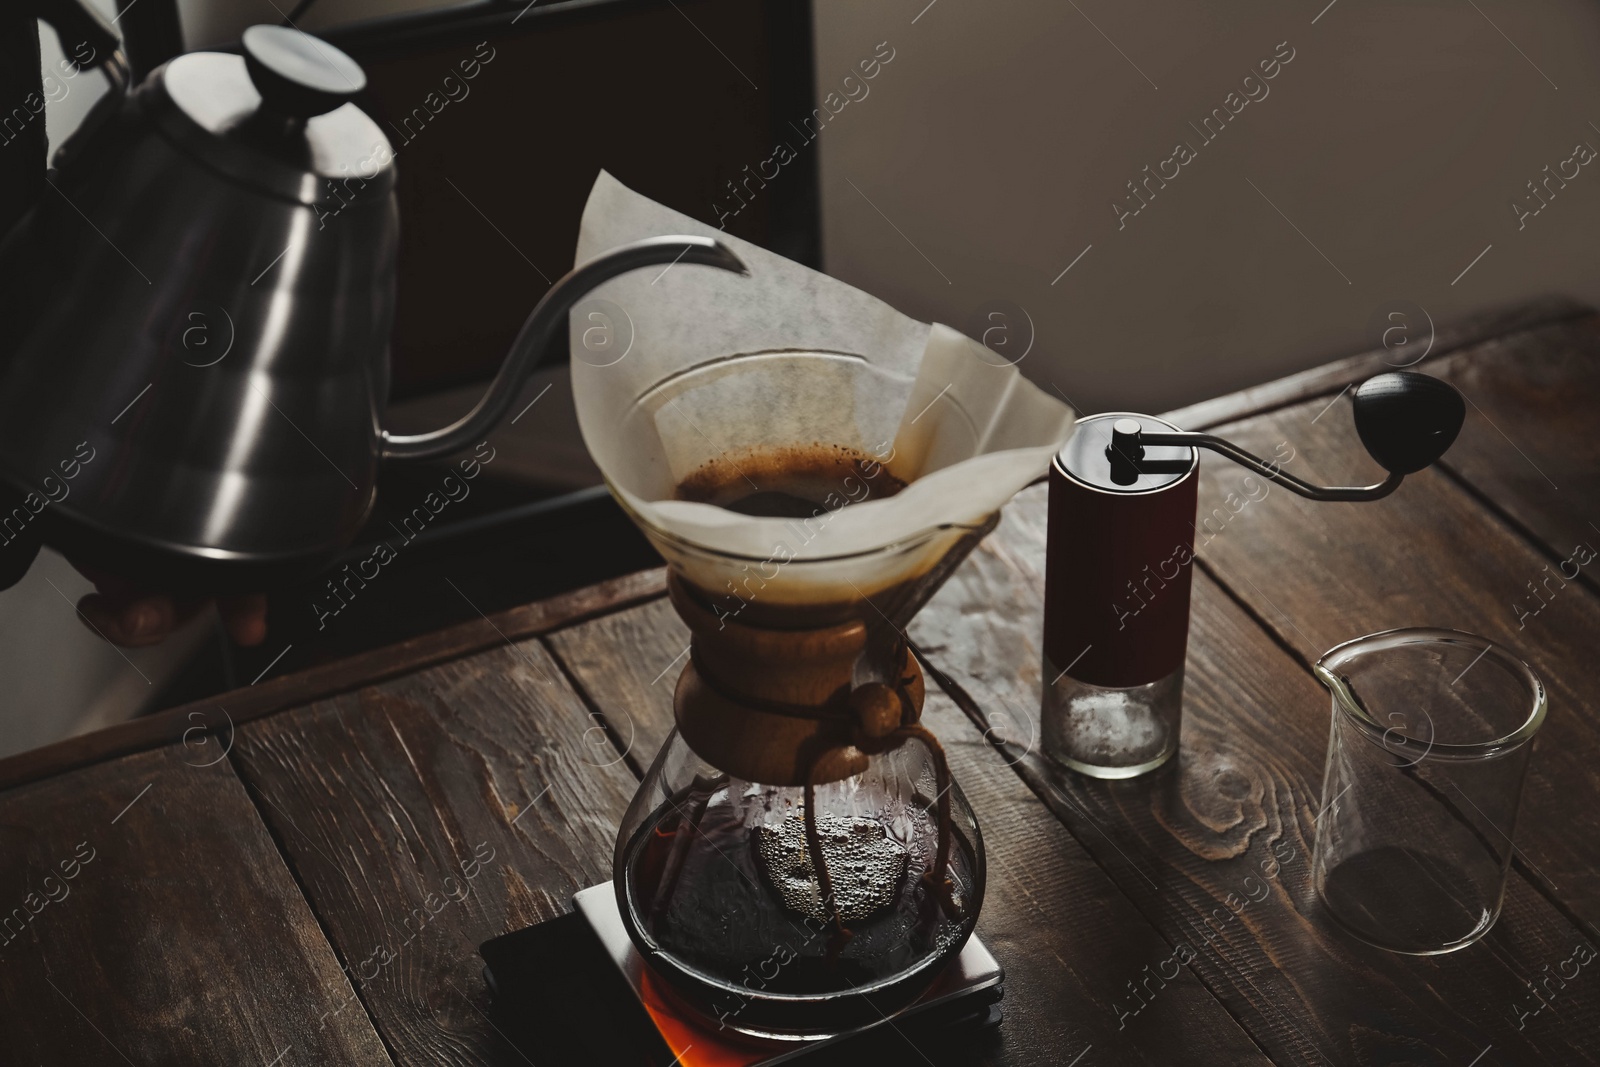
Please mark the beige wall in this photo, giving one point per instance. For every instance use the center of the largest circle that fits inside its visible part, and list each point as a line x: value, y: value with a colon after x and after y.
x: 999, y: 136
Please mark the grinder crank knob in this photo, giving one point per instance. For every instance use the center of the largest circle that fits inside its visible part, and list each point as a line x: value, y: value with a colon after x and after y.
x: 1407, y: 420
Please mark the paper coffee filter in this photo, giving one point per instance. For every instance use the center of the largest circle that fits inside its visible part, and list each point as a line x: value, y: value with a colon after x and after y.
x: 677, y: 369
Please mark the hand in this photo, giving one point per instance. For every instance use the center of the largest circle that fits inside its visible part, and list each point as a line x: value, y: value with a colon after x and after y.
x: 125, y: 614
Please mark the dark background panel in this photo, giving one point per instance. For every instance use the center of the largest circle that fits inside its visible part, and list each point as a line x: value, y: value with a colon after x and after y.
x: 675, y: 99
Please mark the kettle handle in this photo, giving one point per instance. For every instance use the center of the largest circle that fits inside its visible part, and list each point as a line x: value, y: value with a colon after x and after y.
x: 88, y: 41
x: 81, y: 30
x: 548, y: 316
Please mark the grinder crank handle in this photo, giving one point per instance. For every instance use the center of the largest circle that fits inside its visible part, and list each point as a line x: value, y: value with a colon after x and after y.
x: 1405, y: 420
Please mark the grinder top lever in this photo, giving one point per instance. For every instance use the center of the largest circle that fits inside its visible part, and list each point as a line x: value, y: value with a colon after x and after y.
x: 1406, y: 421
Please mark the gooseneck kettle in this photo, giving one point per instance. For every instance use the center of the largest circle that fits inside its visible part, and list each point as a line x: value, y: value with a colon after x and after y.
x: 194, y: 359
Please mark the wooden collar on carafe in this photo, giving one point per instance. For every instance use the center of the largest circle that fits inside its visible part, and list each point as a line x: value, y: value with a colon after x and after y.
x: 774, y: 706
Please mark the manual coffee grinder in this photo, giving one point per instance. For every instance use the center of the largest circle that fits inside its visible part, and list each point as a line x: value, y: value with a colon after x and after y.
x: 1122, y: 509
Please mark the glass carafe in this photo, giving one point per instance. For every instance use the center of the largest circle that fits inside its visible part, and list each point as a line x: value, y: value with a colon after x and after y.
x: 798, y: 734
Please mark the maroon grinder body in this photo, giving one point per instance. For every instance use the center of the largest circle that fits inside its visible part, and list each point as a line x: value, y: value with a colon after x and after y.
x: 1118, y: 563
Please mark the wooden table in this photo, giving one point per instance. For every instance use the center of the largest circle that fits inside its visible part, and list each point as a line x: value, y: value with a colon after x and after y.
x: 300, y: 872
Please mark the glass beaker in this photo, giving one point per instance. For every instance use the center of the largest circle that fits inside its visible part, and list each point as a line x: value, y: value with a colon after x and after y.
x: 1429, y: 746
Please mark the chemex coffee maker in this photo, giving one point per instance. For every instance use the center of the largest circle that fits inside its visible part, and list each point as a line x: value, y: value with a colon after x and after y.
x: 1122, y: 514
x: 198, y: 311
x: 799, y: 862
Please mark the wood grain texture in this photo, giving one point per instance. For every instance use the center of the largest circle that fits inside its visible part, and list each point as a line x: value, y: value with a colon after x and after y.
x: 1215, y: 848
x: 627, y: 665
x: 1330, y: 378
x: 1430, y: 555
x: 148, y: 918
x: 1531, y: 443
x: 440, y: 792
x: 429, y: 813
x: 184, y: 724
x: 1067, y: 937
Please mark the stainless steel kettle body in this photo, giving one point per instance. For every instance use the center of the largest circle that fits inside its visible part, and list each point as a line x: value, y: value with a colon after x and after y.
x: 198, y: 315
x: 210, y: 356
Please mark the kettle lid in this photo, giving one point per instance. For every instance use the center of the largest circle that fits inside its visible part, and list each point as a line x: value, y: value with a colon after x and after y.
x: 279, y: 118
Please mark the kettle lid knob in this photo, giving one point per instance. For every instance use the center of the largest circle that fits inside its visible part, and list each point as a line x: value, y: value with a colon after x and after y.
x: 297, y: 75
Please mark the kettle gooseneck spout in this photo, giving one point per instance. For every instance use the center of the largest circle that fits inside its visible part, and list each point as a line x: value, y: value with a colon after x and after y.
x: 541, y: 325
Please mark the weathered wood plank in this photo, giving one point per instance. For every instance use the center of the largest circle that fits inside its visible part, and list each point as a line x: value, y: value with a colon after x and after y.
x: 429, y: 813
x: 1429, y: 555
x: 1330, y: 378
x: 1068, y: 938
x: 633, y: 691
x: 150, y: 919
x: 1215, y: 850
x: 1531, y: 443
x: 220, y: 713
